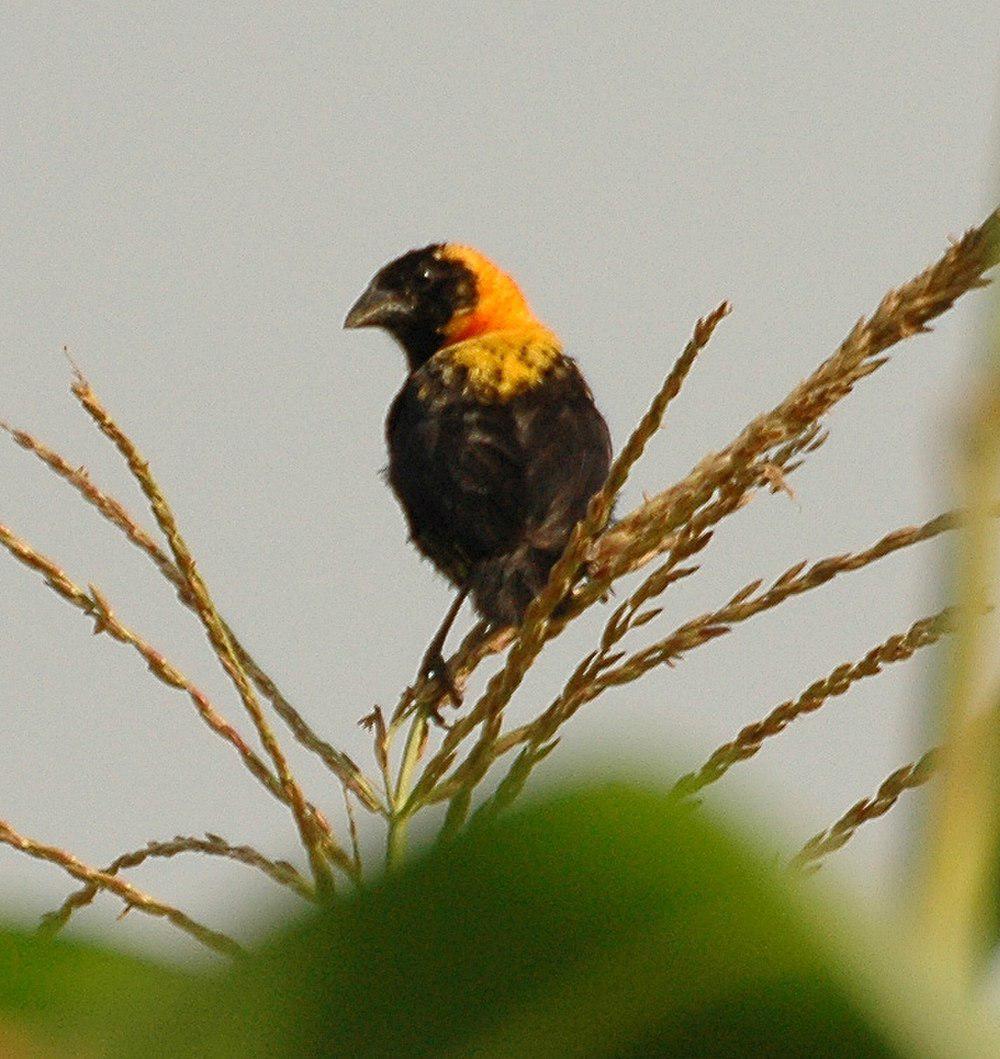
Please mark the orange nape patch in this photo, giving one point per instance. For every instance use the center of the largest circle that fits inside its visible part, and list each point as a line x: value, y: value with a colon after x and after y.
x: 500, y: 305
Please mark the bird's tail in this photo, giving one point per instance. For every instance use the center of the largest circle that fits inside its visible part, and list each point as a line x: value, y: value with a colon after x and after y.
x: 503, y: 586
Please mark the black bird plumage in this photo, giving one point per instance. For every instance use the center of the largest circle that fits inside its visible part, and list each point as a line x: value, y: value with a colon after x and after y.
x: 495, y: 443
x: 492, y: 491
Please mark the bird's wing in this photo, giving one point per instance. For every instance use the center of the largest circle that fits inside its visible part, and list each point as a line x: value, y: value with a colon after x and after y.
x: 570, y: 452
x: 459, y: 473
x: 487, y: 477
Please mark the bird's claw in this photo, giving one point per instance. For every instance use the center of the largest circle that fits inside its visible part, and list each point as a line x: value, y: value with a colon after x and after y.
x: 435, y: 668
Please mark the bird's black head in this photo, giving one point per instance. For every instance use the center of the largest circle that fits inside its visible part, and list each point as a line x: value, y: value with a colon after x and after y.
x: 415, y: 298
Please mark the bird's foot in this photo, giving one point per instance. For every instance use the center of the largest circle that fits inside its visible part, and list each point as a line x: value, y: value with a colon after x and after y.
x: 435, y: 668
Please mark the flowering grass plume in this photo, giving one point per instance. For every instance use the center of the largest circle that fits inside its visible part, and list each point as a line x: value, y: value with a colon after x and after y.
x: 655, y: 545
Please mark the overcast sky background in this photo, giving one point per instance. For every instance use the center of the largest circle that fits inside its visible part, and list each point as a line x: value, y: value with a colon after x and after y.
x: 194, y: 194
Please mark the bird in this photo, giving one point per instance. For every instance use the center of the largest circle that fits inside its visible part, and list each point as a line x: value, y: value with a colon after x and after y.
x: 495, y: 443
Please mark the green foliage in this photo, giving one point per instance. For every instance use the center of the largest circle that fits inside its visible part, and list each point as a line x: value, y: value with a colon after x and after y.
x: 61, y: 992
x: 605, y: 922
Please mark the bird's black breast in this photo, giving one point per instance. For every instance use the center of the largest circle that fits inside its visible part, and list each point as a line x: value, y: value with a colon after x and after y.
x: 484, y: 481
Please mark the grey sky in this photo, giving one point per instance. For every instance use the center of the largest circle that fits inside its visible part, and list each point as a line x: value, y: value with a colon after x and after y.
x: 194, y: 194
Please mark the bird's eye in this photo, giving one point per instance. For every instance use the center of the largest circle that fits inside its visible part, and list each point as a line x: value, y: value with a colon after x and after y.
x: 427, y: 273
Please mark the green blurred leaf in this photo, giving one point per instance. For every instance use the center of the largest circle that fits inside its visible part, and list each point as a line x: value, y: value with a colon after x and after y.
x: 61, y: 993
x: 604, y: 923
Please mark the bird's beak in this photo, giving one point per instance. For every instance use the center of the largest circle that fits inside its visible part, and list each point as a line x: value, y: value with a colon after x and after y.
x: 375, y: 308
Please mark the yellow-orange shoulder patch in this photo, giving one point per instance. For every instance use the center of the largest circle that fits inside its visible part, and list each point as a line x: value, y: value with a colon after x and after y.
x: 500, y: 365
